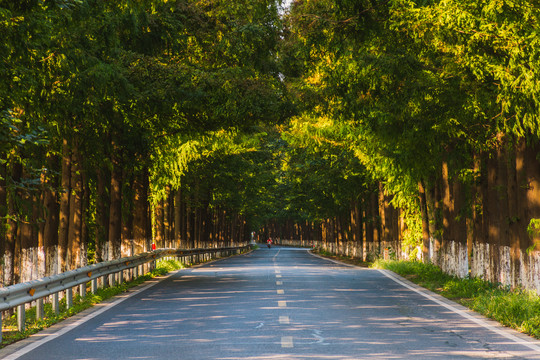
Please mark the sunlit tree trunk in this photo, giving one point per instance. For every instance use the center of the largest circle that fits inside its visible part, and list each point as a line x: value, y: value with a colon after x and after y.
x: 425, y: 221
x: 447, y: 208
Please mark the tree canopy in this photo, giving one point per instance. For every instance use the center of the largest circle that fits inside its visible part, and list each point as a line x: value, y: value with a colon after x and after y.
x: 276, y: 115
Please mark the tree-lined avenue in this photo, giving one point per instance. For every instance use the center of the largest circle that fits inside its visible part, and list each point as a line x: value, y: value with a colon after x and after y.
x: 282, y: 303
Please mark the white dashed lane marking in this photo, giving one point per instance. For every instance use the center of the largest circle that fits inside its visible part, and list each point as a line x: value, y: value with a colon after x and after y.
x: 284, y: 320
x: 287, y: 342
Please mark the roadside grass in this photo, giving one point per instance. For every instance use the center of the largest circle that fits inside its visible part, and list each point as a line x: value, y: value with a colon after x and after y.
x: 346, y: 259
x: 515, y: 308
x: 10, y: 334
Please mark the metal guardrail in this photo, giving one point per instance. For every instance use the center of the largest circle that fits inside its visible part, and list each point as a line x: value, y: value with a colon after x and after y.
x: 21, y: 294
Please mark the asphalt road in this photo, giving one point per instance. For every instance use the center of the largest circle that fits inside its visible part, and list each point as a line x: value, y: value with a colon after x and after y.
x: 278, y: 303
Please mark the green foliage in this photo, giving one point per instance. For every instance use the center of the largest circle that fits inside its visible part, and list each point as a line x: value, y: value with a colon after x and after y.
x: 533, y: 229
x: 414, y: 82
x: 412, y: 236
x: 517, y: 309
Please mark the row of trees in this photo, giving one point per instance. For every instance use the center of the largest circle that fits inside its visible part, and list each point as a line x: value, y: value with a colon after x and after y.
x: 438, y: 101
x: 105, y: 105
x: 363, y: 124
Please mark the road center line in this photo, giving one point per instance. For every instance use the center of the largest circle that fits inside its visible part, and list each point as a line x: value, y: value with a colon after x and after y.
x: 287, y: 342
x: 282, y: 304
x: 280, y: 292
x: 279, y: 282
x: 278, y: 276
x: 284, y: 320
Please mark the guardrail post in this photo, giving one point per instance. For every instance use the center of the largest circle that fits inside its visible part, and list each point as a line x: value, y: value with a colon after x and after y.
x: 69, y: 298
x: 1, y: 316
x: 55, y: 303
x: 40, y: 311
x: 112, y: 280
x: 21, y: 317
x: 120, y: 277
x: 82, y: 290
x: 94, y: 286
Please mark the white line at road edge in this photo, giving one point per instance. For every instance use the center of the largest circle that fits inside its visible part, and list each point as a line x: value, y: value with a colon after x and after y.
x: 76, y: 323
x: 502, y: 332
x: 106, y: 306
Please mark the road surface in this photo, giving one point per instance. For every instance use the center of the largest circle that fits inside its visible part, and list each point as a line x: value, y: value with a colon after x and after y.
x: 279, y: 303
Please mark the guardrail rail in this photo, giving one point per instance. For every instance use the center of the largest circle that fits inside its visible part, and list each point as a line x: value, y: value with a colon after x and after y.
x: 19, y: 295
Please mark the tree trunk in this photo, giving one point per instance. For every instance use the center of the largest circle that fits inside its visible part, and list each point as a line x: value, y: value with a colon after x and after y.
x: 532, y: 194
x: 102, y: 214
x: 115, y: 210
x: 10, y: 274
x: 140, y: 216
x: 50, y: 229
x: 503, y: 241
x: 73, y: 258
x: 514, y: 223
x: 448, y: 208
x: 425, y: 222
x: 85, y: 235
x: 376, y: 216
x: 178, y: 216
x: 127, y: 215
x: 166, y: 217
x: 158, y: 222
x: 63, y: 230
x: 3, y: 219
x: 28, y: 243
x: 433, y: 201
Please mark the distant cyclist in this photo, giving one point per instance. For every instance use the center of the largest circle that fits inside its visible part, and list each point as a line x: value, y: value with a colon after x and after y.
x: 269, y: 242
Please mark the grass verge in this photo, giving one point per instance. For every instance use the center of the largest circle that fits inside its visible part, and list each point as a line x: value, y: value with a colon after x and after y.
x: 345, y: 259
x: 515, y: 308
x: 33, y: 325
